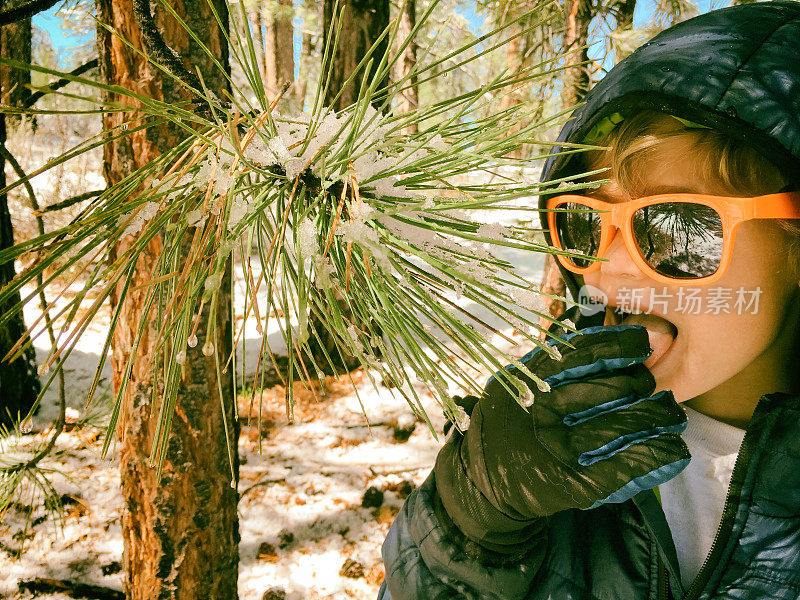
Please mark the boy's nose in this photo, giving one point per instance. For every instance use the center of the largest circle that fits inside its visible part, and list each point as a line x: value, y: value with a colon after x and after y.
x: 619, y: 263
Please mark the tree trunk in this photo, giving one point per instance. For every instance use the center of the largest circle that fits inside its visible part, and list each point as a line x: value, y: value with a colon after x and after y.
x: 362, y: 22
x: 576, y: 82
x: 302, y: 74
x: 512, y: 97
x: 409, y: 97
x: 576, y: 79
x: 15, y: 43
x: 181, y: 533
x: 19, y: 382
x: 258, y: 40
x: 279, y: 45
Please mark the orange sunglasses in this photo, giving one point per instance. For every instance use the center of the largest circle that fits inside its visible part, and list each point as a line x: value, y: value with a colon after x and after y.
x: 672, y: 238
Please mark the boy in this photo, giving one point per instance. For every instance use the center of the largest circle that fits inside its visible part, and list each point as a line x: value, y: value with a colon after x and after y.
x: 554, y: 500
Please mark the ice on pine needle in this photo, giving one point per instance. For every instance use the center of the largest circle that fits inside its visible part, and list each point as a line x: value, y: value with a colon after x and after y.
x: 325, y: 271
x: 261, y: 152
x: 461, y: 418
x: 196, y: 218
x: 213, y: 281
x: 554, y: 353
x: 307, y: 238
x: 145, y: 213
x: 529, y: 299
x: 353, y: 333
x: 279, y: 149
x: 527, y: 397
x: 492, y: 231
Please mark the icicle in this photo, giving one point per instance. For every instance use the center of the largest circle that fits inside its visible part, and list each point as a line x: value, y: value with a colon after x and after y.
x: 325, y: 270
x: 307, y: 238
x: 353, y: 333
x: 526, y: 398
x: 461, y: 417
x: 554, y: 352
x: 239, y: 211
x: 213, y: 281
x: 195, y: 218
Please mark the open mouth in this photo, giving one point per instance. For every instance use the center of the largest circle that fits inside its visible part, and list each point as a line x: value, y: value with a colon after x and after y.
x: 662, y: 333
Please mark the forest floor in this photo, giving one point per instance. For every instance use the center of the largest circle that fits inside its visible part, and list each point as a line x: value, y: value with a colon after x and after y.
x: 305, y: 529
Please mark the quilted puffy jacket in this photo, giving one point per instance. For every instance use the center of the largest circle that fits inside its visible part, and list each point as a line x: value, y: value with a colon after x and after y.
x: 736, y: 70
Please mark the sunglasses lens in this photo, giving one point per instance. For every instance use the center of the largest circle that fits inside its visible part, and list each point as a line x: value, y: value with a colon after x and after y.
x: 578, y: 231
x: 682, y: 240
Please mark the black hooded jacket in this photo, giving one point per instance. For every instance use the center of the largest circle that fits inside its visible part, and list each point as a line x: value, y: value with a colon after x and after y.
x: 736, y: 70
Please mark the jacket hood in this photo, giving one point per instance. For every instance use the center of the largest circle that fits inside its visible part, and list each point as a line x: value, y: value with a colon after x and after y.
x: 735, y: 70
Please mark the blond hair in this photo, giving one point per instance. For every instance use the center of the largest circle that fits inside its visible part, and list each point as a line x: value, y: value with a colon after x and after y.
x: 726, y: 165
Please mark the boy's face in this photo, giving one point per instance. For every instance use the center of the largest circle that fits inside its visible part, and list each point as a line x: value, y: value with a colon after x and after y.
x: 736, y: 338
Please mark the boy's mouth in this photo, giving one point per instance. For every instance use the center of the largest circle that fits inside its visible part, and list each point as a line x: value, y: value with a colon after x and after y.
x: 662, y: 333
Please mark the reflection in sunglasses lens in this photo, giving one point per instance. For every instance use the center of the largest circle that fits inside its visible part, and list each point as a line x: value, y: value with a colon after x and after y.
x: 679, y: 239
x: 578, y: 231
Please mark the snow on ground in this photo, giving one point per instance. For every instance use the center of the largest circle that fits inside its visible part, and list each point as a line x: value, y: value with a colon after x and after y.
x: 303, y: 527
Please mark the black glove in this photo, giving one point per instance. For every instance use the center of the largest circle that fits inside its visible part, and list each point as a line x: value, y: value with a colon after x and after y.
x: 598, y: 436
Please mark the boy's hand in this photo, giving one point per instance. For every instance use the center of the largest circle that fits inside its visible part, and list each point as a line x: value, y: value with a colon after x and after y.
x: 598, y: 436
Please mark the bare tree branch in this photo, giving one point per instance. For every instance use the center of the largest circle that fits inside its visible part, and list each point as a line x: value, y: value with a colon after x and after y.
x: 88, y: 66
x: 68, y: 202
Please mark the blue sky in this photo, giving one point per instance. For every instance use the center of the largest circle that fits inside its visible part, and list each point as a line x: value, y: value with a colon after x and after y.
x: 644, y: 11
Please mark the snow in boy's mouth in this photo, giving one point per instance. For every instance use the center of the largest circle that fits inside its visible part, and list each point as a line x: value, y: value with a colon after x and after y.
x: 662, y: 333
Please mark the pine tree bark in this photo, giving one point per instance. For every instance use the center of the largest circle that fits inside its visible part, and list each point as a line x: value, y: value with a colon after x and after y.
x: 181, y: 533
x: 577, y: 81
x: 409, y: 98
x: 277, y: 15
x: 19, y: 382
x: 514, y: 96
x: 15, y: 43
x: 362, y: 22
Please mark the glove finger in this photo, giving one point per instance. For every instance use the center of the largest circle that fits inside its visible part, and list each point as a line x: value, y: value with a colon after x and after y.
x: 607, y: 435
x: 639, y: 467
x: 596, y: 350
x: 589, y: 398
